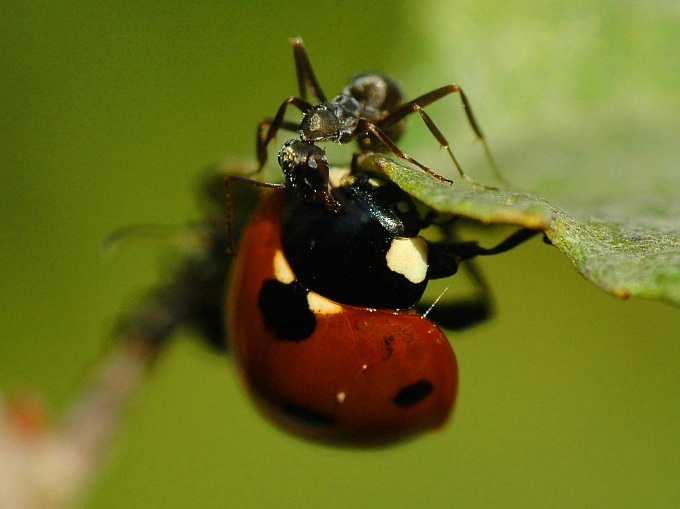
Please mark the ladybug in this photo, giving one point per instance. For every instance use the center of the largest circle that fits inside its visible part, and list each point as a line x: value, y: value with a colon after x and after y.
x: 327, y: 371
x: 320, y: 308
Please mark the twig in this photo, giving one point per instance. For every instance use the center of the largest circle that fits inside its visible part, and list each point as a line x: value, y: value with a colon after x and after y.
x: 48, y: 467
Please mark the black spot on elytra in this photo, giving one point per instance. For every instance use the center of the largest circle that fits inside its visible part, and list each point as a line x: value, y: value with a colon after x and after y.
x: 413, y: 394
x: 285, y: 310
x: 388, y: 342
x: 307, y: 415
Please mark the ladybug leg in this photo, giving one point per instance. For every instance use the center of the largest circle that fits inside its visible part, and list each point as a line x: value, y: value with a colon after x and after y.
x: 444, y: 259
x: 468, y: 250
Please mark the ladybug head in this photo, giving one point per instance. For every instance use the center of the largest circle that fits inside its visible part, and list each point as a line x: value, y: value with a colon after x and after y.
x: 306, y: 171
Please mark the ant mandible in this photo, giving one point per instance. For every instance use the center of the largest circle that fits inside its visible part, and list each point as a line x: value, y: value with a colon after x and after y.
x: 370, y: 109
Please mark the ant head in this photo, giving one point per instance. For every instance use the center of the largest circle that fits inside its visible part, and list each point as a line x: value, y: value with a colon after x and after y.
x: 334, y: 121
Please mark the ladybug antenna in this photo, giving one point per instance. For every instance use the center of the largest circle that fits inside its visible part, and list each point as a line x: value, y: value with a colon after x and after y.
x: 441, y: 294
x: 229, y: 199
x: 188, y: 239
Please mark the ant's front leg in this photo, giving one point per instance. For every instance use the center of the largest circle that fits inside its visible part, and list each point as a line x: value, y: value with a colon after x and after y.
x: 275, y: 124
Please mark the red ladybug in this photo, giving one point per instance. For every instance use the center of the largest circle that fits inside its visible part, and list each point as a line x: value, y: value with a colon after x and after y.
x: 328, y: 371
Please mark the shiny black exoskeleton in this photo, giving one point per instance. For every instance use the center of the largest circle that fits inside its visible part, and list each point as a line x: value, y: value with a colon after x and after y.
x: 336, y: 237
x: 356, y: 240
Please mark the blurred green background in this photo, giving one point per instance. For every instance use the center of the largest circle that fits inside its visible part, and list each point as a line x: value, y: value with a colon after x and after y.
x: 569, y: 397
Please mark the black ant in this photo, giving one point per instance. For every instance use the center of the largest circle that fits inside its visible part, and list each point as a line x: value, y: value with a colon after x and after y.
x: 370, y: 110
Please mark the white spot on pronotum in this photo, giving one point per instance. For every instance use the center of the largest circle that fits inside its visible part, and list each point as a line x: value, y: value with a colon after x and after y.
x: 340, y: 396
x: 337, y: 176
x: 282, y: 271
x: 321, y: 306
x: 408, y: 257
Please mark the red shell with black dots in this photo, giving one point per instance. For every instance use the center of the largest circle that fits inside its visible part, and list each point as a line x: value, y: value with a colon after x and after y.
x: 328, y: 371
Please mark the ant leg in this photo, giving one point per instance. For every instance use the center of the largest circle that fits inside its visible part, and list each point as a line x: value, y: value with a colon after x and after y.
x: 306, y: 81
x: 262, y: 142
x: 285, y: 125
x: 229, y: 198
x: 426, y: 99
x: 305, y: 74
x: 445, y: 143
x: 364, y: 125
x: 275, y: 124
x: 464, y: 312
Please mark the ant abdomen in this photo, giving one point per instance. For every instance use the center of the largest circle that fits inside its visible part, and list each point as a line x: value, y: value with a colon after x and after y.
x: 379, y: 95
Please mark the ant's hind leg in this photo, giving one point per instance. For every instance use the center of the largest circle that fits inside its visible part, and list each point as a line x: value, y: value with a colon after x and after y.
x: 426, y: 99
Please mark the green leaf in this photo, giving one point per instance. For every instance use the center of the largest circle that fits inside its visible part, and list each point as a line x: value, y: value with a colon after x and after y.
x: 626, y: 257
x: 581, y: 108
